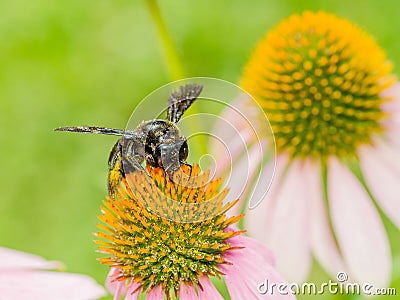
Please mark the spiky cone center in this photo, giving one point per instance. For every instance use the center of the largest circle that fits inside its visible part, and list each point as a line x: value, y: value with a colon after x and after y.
x: 319, y: 79
x: 154, y: 250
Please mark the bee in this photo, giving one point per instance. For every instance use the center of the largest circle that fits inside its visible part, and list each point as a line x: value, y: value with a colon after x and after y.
x: 157, y: 141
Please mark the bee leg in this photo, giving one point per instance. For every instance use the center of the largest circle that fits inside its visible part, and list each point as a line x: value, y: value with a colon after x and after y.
x: 170, y: 172
x: 115, y: 168
x: 114, y: 177
x: 133, y: 154
x: 170, y: 175
x: 130, y: 164
x: 187, y: 165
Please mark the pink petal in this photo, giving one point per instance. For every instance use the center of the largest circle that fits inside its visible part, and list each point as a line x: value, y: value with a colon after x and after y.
x: 187, y: 292
x: 322, y: 240
x: 242, y: 283
x: 120, y: 289
x: 392, y: 123
x: 392, y: 108
x: 115, y: 286
x: 111, y: 282
x: 272, y: 282
x: 391, y: 126
x: 156, y: 293
x: 249, y: 269
x: 228, y: 149
x: 236, y: 113
x: 381, y: 169
x: 254, y: 247
x: 392, y: 133
x: 242, y: 113
x: 392, y: 105
x: 287, y: 228
x: 242, y: 175
x: 130, y: 293
x: 263, y: 181
x: 209, y: 291
x: 256, y: 218
x: 264, y: 288
x: 13, y: 259
x: 45, y: 285
x: 387, y: 150
x: 240, y: 147
x: 233, y: 132
x: 358, y: 227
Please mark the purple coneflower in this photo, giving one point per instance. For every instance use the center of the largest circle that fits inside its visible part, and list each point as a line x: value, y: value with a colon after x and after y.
x: 327, y: 90
x: 154, y: 250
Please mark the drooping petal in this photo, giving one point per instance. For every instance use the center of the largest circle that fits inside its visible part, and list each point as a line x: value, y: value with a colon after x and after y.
x: 243, y: 136
x: 274, y: 287
x: 243, y: 174
x: 208, y: 290
x: 119, y: 291
x: 156, y: 293
x: 322, y: 241
x: 237, y: 287
x: 392, y: 133
x: 392, y: 128
x: 111, y: 282
x: 115, y: 286
x: 287, y: 227
x: 234, y: 133
x: 250, y: 268
x: 385, y: 150
x: 187, y: 292
x: 256, y: 217
x: 45, y: 285
x: 263, y: 180
x: 381, y: 168
x: 241, y: 286
x: 358, y: 227
x: 394, y: 94
x: 228, y: 149
x: 133, y: 292
x: 17, y: 260
x: 392, y: 108
x: 255, y: 247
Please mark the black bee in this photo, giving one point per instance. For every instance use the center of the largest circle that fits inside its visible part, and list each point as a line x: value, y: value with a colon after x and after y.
x: 158, y: 141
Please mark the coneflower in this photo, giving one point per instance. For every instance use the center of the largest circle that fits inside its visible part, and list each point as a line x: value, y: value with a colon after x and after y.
x: 168, y: 249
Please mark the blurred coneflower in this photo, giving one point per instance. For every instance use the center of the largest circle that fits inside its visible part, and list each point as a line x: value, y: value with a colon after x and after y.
x: 160, y: 249
x: 28, y: 276
x: 328, y: 92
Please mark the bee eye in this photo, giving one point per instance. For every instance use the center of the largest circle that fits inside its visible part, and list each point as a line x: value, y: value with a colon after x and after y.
x: 183, y: 151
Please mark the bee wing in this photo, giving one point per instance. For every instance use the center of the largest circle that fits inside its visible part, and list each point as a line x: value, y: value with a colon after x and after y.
x: 96, y: 130
x: 180, y: 100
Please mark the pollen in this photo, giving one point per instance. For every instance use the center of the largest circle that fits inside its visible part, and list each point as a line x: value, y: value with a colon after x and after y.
x: 337, y: 73
x: 151, y: 240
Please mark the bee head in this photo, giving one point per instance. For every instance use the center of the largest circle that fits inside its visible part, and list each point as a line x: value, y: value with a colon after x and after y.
x: 164, y: 146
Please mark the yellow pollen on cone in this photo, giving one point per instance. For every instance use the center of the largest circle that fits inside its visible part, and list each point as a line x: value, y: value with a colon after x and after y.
x: 319, y: 72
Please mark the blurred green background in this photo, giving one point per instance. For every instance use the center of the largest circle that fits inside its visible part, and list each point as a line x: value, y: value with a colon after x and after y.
x: 89, y: 63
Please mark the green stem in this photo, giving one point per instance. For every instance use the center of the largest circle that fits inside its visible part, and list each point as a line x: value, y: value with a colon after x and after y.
x: 174, y: 64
